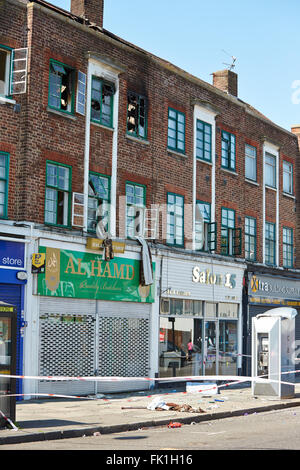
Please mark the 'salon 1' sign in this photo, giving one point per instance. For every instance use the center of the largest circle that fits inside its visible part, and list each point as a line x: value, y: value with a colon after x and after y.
x: 209, y: 278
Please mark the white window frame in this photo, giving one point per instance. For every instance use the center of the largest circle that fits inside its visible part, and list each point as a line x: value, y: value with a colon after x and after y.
x: 250, y: 157
x: 272, y: 167
x: 287, y: 170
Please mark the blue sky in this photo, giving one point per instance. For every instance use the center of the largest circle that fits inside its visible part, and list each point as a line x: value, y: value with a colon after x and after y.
x: 200, y: 36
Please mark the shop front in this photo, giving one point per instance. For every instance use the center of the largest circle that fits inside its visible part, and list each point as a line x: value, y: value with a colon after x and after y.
x: 94, y: 320
x: 200, y: 318
x: 266, y: 290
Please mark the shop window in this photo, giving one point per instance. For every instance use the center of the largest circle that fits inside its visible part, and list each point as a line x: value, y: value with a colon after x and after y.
x: 58, y: 194
x: 270, y: 170
x: 137, y: 115
x: 270, y: 244
x: 98, y: 202
x: 135, y: 208
x: 61, y: 87
x: 288, y: 247
x: 102, y: 102
x: 176, y: 130
x: 287, y: 177
x: 250, y: 162
x: 4, y: 164
x: 230, y: 236
x: 250, y: 238
x: 203, y: 141
x: 227, y: 347
x: 175, y: 220
x: 228, y: 150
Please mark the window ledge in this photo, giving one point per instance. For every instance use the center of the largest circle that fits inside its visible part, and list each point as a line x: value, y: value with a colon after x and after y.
x: 204, y: 161
x: 291, y: 196
x: 60, y: 113
x: 255, y: 183
x: 179, y: 154
x: 4, y: 100
x: 97, y: 124
x: 137, y: 139
x: 231, y: 172
x: 270, y: 187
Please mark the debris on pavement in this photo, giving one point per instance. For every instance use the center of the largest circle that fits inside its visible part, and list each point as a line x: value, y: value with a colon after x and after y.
x: 174, y: 425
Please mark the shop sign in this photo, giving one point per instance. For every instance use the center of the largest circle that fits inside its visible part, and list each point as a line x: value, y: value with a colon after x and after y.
x: 12, y: 254
x: 88, y: 276
x: 209, y: 278
x: 268, y: 289
x: 38, y: 263
x: 97, y: 244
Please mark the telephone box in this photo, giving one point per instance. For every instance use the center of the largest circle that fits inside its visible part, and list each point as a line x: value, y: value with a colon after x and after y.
x: 273, y: 352
x: 8, y: 335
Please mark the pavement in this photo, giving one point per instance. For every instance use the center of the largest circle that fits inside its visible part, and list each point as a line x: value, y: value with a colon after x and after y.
x: 62, y: 418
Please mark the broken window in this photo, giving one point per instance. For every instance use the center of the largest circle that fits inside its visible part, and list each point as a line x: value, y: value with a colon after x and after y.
x: 58, y: 193
x: 61, y: 87
x: 102, y: 102
x: 136, y: 115
x: 5, y: 60
x: 98, y: 204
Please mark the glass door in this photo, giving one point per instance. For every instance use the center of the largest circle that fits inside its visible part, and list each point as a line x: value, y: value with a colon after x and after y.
x: 210, y: 348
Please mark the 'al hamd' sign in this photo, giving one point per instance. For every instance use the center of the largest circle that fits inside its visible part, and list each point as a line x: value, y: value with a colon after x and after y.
x: 87, y: 276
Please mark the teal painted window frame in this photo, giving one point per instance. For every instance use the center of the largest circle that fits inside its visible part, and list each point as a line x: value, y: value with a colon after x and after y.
x: 203, y: 141
x: 58, y: 83
x: 97, y: 96
x: 172, y: 215
x: 9, y: 51
x: 288, y: 247
x: 228, y: 150
x: 250, y: 238
x: 101, y: 199
x: 138, y: 114
x: 134, y: 204
x: 226, y: 224
x: 57, y: 188
x: 270, y: 243
x: 271, y: 183
x: 176, y: 130
x: 250, y: 158
x: 290, y: 175
x: 4, y: 178
x: 206, y: 213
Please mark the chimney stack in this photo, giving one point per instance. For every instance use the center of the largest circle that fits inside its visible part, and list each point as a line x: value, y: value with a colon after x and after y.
x: 227, y: 81
x: 90, y: 9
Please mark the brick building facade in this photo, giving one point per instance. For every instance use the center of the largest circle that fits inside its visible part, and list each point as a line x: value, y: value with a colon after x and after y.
x: 101, y: 123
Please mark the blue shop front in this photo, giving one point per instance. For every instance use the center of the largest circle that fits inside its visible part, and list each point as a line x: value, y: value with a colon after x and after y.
x: 13, y: 278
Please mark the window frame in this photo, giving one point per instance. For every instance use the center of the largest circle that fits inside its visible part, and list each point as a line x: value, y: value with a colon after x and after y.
x: 103, y: 82
x: 206, y: 221
x: 8, y: 66
x: 230, y: 155
x: 269, y: 243
x: 252, y: 159
x: 269, y: 165
x: 6, y: 180
x: 177, y: 132
x: 202, y: 133
x: 290, y: 175
x: 250, y: 238
x: 136, y: 133
x: 71, y: 70
x: 142, y: 207
x: 68, y: 191
x: 99, y: 175
x: 180, y: 245
x: 287, y: 248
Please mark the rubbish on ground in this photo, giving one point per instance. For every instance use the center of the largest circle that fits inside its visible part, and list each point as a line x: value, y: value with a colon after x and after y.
x: 174, y: 425
x: 213, y: 406
x: 157, y: 403
x: 184, y: 408
x: 204, y: 387
x: 216, y: 399
x: 133, y: 407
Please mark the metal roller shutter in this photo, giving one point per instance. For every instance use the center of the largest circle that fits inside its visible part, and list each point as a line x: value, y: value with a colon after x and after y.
x: 67, y: 344
x: 124, y: 344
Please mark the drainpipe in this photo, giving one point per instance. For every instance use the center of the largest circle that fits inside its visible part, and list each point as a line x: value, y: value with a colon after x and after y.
x: 87, y: 148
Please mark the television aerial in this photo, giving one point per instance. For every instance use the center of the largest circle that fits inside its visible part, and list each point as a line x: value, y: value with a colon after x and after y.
x: 232, y: 64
